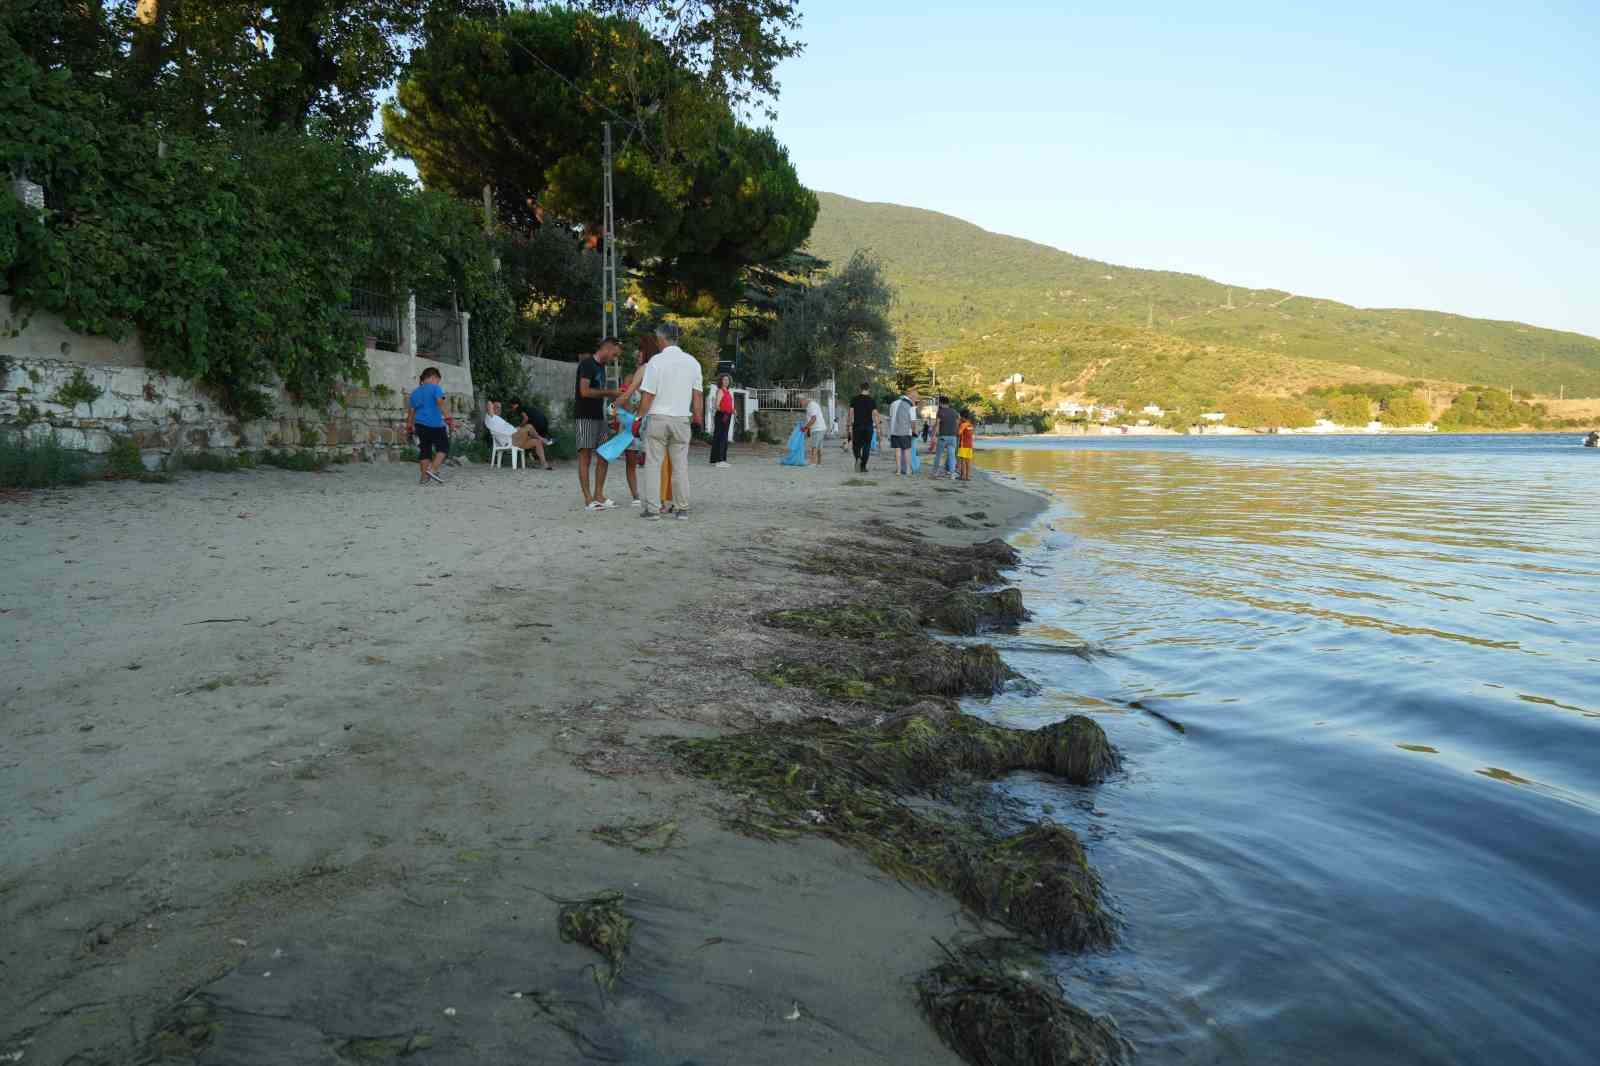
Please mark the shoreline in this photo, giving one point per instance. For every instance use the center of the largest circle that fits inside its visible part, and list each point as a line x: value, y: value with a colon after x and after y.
x: 279, y: 734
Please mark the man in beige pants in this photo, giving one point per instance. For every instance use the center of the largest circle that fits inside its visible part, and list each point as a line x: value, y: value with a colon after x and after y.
x: 669, y: 402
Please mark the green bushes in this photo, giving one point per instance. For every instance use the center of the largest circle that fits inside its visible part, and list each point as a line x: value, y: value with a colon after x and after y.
x: 307, y: 462
x: 232, y: 253
x: 28, y: 462
x: 124, y: 461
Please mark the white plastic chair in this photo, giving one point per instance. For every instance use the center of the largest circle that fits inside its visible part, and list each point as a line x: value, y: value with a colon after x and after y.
x: 503, y: 444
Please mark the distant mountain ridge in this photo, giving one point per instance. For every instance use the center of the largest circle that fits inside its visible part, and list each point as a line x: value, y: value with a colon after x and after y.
x: 957, y: 282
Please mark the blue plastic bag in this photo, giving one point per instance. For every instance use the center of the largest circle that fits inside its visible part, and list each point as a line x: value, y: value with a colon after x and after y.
x: 619, y: 443
x: 796, y: 455
x: 916, y: 464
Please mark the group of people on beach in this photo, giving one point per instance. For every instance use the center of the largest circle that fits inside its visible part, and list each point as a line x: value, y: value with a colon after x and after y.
x: 655, y: 410
x: 952, y: 432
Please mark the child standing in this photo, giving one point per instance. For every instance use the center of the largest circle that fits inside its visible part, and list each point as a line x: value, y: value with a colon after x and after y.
x: 426, y: 418
x: 964, y: 435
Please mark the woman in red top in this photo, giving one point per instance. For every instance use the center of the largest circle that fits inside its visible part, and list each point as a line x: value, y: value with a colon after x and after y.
x: 720, y: 402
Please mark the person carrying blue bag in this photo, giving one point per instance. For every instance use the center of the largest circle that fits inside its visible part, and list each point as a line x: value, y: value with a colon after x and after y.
x: 619, y: 443
x: 795, y: 455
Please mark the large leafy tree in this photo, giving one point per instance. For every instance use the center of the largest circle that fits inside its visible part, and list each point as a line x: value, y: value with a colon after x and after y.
x: 837, y: 325
x: 515, y: 105
x: 732, y: 46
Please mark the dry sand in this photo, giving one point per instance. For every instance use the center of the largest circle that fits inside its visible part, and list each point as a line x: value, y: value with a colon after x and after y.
x: 310, y: 753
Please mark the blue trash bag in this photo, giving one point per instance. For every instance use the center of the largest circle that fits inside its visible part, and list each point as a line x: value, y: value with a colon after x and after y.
x: 872, y: 445
x: 619, y: 443
x: 796, y: 454
x: 916, y: 463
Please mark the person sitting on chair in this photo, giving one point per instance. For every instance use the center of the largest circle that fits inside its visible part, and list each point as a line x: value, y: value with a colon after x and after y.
x: 532, y: 429
x: 501, y: 430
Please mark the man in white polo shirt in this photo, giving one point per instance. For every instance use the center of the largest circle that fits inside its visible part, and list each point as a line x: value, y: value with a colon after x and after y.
x: 670, y: 401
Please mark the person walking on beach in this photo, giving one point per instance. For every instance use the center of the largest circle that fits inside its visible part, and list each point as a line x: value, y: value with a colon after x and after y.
x: 635, y: 453
x: 719, y: 401
x: 670, y: 399
x: 816, y: 429
x: 902, y: 413
x: 591, y: 397
x: 427, y: 421
x: 864, y: 422
x: 944, y: 463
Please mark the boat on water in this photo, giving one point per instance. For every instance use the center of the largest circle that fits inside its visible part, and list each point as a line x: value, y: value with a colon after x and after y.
x: 1593, y: 439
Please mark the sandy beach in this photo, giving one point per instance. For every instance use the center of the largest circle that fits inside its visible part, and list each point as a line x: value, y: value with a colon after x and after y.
x: 324, y: 749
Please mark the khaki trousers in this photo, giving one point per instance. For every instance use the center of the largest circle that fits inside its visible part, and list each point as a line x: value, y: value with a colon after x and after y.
x: 666, y: 437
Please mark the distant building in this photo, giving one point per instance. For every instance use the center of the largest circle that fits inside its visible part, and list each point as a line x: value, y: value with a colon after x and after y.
x: 1014, y: 379
x: 1213, y: 416
x: 1153, y: 410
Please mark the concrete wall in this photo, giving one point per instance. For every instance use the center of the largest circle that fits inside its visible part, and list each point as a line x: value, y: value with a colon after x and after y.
x: 46, y: 336
x: 162, y: 414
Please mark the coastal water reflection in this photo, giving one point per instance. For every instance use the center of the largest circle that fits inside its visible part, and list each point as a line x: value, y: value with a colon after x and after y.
x: 1358, y: 683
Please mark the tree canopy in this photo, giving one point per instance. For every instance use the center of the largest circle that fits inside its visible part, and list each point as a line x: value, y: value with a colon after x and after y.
x: 515, y: 104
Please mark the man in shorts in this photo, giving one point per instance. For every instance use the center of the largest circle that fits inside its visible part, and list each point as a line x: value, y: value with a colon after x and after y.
x: 427, y: 421
x: 902, y: 413
x: 591, y: 396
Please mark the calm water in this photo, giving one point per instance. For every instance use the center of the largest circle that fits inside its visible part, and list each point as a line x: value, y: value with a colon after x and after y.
x: 1377, y: 837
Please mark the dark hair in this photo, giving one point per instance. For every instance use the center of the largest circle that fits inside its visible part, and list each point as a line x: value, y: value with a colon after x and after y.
x: 649, y: 347
x: 609, y: 340
x: 866, y: 386
x: 430, y: 372
x: 943, y: 399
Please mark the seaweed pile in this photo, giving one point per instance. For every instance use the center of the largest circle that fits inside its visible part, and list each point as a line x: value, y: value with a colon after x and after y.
x: 851, y: 783
x: 601, y: 923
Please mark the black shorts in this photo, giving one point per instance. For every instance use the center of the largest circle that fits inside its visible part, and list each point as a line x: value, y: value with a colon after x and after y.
x: 432, y: 439
x: 898, y: 441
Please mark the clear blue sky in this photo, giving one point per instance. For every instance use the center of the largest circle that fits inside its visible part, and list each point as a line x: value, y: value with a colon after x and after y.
x: 1396, y: 155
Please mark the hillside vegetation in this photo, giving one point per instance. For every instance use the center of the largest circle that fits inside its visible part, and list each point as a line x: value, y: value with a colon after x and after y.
x: 1005, y: 305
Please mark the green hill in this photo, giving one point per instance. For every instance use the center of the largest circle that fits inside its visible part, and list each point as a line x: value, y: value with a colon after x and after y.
x: 957, y: 282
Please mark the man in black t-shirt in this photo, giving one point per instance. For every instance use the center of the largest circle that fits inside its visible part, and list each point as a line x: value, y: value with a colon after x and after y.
x: 590, y: 398
x: 864, y: 421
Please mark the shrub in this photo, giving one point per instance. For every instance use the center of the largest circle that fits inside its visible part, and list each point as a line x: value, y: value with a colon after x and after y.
x: 38, y: 462
x: 123, y: 461
x: 474, y: 451
x: 566, y: 443
x: 211, y: 462
x: 306, y: 462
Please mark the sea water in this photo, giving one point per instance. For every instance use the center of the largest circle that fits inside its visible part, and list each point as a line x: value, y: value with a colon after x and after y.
x: 1357, y: 684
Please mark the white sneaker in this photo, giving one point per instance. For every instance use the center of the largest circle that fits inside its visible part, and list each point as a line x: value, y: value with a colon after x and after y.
x: 594, y: 505
x: 724, y: 464
x: 606, y: 505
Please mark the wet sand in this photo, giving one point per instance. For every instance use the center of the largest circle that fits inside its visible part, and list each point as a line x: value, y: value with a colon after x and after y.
x: 295, y: 761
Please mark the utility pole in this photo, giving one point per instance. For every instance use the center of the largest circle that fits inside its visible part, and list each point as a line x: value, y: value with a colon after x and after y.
x: 610, y: 311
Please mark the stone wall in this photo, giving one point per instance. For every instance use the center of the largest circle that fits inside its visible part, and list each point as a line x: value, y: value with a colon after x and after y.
x: 163, y: 415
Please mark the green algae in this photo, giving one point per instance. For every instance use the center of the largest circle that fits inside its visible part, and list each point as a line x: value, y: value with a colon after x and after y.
x: 992, y: 1003
x: 969, y: 611
x: 848, y: 783
x: 598, y: 922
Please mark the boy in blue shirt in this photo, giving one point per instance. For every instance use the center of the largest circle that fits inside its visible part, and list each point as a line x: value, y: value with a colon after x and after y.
x: 427, y: 420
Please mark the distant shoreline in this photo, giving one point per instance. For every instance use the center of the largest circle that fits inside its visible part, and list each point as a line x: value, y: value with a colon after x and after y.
x: 1148, y: 431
